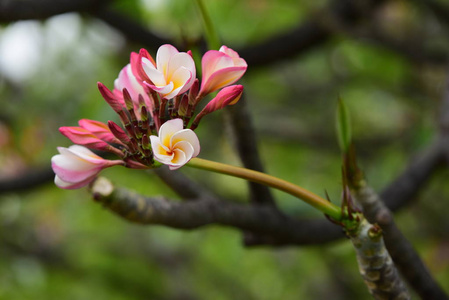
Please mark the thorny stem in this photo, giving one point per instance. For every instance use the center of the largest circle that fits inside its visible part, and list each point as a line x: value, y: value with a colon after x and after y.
x: 314, y: 200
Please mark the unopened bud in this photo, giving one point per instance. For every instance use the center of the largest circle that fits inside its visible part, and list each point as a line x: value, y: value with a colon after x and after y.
x: 227, y: 96
x: 110, y: 98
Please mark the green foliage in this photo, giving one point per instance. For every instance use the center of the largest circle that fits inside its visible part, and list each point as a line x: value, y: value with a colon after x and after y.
x: 343, y: 126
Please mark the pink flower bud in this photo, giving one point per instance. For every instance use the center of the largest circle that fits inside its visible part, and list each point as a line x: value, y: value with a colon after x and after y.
x: 100, y: 130
x: 221, y: 68
x: 118, y: 132
x: 77, y: 166
x: 116, y: 103
x: 228, y: 96
x: 86, y: 138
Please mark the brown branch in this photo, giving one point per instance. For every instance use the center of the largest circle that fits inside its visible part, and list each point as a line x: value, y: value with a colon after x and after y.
x: 262, y: 220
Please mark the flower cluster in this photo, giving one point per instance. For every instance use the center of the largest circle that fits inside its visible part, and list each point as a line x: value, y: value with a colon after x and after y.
x: 156, y: 102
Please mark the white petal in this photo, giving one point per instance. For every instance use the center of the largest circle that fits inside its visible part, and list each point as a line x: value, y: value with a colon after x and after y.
x: 181, y: 60
x: 71, y: 162
x: 164, y: 53
x: 85, y: 154
x: 182, y: 78
x: 157, y: 77
x: 186, y: 148
x: 188, y: 136
x: 173, y: 93
x: 61, y: 183
x: 168, y: 129
x: 157, y: 147
x: 179, y: 158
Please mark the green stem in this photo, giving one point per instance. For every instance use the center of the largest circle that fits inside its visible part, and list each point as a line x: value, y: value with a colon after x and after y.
x: 212, y: 38
x: 316, y: 201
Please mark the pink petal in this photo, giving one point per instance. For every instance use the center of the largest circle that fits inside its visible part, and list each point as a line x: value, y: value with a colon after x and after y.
x: 222, y: 78
x: 70, y: 186
x: 73, y: 170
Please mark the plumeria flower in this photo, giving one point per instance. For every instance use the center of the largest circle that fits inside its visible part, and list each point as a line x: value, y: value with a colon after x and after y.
x: 174, y: 146
x: 173, y: 73
x: 77, y: 166
x: 221, y: 68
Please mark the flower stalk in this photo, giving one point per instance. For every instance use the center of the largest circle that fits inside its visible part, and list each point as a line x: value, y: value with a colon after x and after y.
x: 314, y: 200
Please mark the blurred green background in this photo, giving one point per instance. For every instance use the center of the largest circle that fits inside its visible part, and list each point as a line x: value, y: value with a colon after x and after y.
x: 59, y: 244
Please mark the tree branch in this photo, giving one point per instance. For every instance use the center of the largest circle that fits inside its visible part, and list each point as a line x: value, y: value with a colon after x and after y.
x: 401, y: 250
x: 263, y: 220
x: 375, y: 264
x: 27, y: 180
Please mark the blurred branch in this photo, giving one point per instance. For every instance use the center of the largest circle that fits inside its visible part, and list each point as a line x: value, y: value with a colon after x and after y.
x: 15, y: 10
x: 27, y: 180
x: 132, y: 30
x: 402, y: 190
x: 240, y: 121
x: 307, y: 35
x: 263, y: 220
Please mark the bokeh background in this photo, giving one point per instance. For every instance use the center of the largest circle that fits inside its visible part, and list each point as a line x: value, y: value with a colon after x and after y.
x: 390, y: 67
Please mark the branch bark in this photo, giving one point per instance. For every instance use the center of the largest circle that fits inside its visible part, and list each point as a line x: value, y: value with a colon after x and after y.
x: 375, y: 263
x: 401, y: 250
x: 262, y: 220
